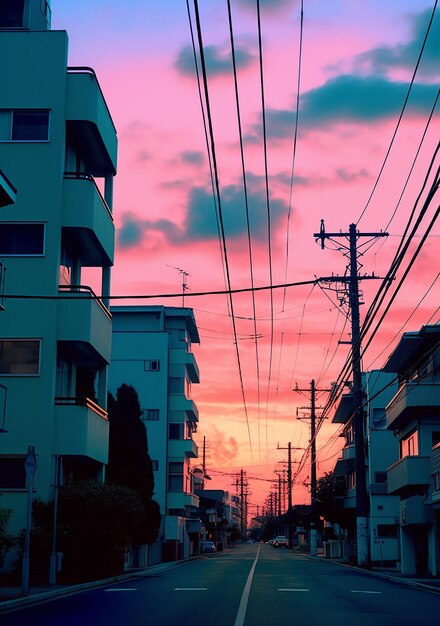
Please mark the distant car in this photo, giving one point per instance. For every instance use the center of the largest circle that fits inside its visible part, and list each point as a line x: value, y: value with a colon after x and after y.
x: 249, y: 541
x: 270, y: 542
x: 208, y: 546
x: 280, y: 542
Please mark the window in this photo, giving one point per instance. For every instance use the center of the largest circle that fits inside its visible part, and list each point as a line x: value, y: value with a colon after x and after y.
x: 22, y: 239
x: 154, y: 465
x: 24, y: 125
x: 152, y: 365
x: 19, y: 357
x: 175, y: 431
x: 175, y: 476
x: 151, y: 415
x: 11, y: 15
x: 436, y: 481
x: 12, y: 472
x: 387, y: 531
x: 409, y: 445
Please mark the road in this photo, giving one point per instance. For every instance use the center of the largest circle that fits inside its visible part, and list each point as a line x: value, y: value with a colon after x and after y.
x: 249, y: 585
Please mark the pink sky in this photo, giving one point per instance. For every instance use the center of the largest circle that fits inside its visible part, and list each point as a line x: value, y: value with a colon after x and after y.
x: 358, y: 59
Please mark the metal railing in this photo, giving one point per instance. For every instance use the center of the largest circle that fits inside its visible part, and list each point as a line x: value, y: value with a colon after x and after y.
x: 82, y: 401
x: 89, y: 70
x: 85, y: 289
x: 86, y: 176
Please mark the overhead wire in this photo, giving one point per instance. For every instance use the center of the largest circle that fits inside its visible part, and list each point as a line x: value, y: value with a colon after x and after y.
x: 295, y: 138
x: 217, y: 188
x: 400, y: 116
x: 246, y: 202
x: 269, y: 227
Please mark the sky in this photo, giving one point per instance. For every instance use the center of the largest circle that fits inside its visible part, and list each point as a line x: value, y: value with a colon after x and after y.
x: 357, y: 62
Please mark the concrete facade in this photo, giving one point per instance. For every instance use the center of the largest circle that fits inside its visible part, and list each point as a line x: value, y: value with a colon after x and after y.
x: 57, y: 138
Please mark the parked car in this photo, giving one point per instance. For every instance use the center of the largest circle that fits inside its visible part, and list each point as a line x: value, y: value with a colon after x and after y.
x: 280, y: 542
x: 208, y: 546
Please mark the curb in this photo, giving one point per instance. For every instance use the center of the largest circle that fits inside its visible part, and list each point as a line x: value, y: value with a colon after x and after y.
x: 37, y: 598
x: 396, y: 579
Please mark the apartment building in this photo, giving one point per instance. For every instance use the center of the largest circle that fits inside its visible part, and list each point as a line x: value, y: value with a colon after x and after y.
x: 58, y: 142
x: 381, y: 449
x: 152, y: 352
x: 413, y: 416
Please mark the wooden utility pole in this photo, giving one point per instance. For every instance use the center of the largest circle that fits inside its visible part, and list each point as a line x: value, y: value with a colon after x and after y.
x: 353, y: 290
x: 289, y: 490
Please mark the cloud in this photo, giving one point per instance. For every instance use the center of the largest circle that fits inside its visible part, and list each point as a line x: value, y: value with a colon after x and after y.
x: 218, y: 60
x: 223, y: 449
x: 193, y: 157
x: 268, y: 5
x: 382, y: 59
x: 200, y: 223
x: 346, y: 98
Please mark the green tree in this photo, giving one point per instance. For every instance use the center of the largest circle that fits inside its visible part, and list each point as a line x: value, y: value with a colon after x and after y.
x: 129, y: 463
x: 6, y: 540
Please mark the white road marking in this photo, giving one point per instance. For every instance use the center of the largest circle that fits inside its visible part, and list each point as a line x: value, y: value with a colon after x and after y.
x: 122, y: 589
x: 241, y: 613
x: 191, y: 589
x: 356, y: 591
x: 293, y: 589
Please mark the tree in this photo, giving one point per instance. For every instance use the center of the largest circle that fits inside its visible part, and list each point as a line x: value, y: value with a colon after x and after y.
x: 129, y: 462
x: 6, y: 541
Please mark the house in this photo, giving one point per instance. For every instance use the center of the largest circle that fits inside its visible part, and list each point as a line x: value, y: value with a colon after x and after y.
x: 152, y: 351
x: 57, y: 138
x: 380, y: 451
x: 413, y: 416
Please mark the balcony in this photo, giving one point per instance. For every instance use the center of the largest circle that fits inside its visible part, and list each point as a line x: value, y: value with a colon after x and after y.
x: 86, y: 221
x: 188, y: 359
x: 179, y: 500
x: 408, y: 474
x: 348, y: 452
x: 180, y: 448
x: 411, y: 400
x: 187, y: 406
x: 85, y: 323
x: 414, y: 510
x: 81, y: 428
x: 90, y: 128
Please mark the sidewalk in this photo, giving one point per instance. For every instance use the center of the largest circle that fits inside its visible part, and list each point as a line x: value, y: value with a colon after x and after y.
x: 420, y: 582
x: 11, y: 599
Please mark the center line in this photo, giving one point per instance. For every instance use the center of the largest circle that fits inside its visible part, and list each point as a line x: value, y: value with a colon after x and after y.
x: 122, y: 589
x: 241, y: 614
x: 293, y: 589
x: 355, y: 591
x: 191, y: 589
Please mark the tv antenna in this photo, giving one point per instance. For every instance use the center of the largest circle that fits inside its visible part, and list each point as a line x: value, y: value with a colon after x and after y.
x: 184, y: 276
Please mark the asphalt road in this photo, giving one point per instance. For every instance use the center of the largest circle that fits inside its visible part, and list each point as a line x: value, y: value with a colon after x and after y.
x: 250, y: 585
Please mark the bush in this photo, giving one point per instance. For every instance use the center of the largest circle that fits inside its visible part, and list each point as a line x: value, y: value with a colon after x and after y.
x: 6, y: 541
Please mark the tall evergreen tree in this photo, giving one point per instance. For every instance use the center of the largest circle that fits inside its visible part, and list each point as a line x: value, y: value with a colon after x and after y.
x: 129, y: 462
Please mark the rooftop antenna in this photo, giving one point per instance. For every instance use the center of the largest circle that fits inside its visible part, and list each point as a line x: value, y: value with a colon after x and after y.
x: 184, y: 276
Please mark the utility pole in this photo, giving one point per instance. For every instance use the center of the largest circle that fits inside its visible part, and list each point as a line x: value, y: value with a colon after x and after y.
x: 313, y: 407
x: 289, y: 490
x: 353, y: 289
x: 243, y: 503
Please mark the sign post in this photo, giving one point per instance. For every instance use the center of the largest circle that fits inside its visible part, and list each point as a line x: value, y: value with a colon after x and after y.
x: 30, y: 467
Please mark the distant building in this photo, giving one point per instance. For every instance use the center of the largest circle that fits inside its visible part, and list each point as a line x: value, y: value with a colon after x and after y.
x: 413, y: 416
x: 380, y: 450
x: 56, y: 138
x: 152, y: 352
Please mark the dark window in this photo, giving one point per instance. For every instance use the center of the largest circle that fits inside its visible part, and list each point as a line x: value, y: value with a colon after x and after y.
x: 21, y: 239
x: 30, y: 125
x: 175, y: 476
x: 175, y: 431
x: 12, y: 472
x: 11, y: 14
x: 387, y: 530
x: 154, y: 465
x: 152, y: 365
x: 151, y: 415
x: 381, y: 477
x: 19, y: 357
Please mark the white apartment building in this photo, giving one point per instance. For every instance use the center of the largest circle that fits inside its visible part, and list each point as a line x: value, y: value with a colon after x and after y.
x: 152, y: 352
x: 413, y: 416
x: 381, y: 449
x: 56, y: 139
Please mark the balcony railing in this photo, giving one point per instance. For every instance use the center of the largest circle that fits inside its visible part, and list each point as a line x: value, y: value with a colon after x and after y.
x: 411, y: 398
x: 409, y: 473
x: 86, y: 293
x: 86, y: 176
x: 87, y: 402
